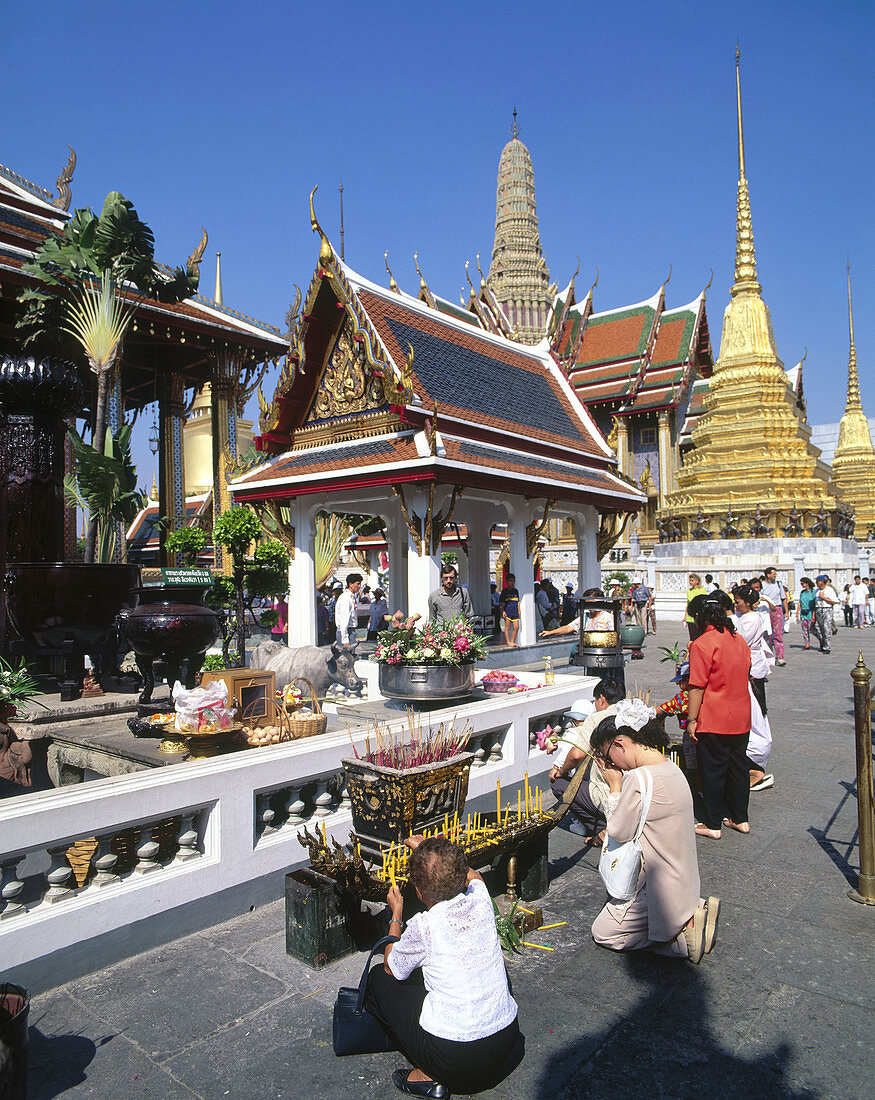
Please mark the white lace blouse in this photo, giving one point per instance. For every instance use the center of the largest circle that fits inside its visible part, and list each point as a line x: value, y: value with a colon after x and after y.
x: 456, y: 944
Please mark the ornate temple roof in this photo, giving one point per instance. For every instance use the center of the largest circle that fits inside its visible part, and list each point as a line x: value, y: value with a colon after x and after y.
x: 187, y: 333
x: 637, y: 358
x: 382, y: 385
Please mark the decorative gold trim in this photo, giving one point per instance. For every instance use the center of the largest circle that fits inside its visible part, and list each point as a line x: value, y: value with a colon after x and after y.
x: 534, y: 530
x: 413, y: 522
x: 197, y: 255
x: 440, y: 522
x: 62, y: 202
x: 393, y: 286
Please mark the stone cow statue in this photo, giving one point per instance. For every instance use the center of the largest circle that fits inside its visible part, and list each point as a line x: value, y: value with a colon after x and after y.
x: 321, y: 665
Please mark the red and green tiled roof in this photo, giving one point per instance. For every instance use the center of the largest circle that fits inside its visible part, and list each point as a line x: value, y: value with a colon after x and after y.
x: 623, y: 334
x: 674, y: 337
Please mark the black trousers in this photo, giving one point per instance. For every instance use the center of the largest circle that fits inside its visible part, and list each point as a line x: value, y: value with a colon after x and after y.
x: 583, y: 807
x: 725, y: 776
x: 463, y: 1067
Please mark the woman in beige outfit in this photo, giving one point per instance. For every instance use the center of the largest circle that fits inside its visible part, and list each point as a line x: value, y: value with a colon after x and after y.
x: 666, y: 914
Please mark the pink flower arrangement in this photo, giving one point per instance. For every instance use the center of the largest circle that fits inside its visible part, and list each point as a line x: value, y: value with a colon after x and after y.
x: 449, y: 642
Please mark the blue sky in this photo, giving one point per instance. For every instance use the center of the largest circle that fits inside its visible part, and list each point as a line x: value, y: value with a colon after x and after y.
x: 226, y: 115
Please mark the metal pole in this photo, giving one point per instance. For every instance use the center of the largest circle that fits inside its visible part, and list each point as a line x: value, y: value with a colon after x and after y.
x: 865, y: 894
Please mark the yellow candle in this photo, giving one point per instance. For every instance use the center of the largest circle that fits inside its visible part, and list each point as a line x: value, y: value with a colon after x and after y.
x: 519, y: 805
x: 324, y: 835
x: 506, y: 814
x: 542, y: 946
x: 447, y: 824
x: 498, y: 799
x: 528, y: 809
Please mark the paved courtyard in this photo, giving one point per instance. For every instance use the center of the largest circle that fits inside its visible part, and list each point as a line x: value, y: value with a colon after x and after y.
x: 782, y: 1008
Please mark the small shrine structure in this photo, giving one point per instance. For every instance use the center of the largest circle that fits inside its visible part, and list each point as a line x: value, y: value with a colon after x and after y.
x: 408, y: 409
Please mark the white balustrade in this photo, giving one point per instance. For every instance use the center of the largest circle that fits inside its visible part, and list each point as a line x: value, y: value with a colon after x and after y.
x: 237, y: 819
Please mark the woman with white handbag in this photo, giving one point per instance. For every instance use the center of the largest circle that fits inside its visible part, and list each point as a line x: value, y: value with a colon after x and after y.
x: 649, y: 861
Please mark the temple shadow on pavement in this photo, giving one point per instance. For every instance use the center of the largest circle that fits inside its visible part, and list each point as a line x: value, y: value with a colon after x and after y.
x: 666, y: 1046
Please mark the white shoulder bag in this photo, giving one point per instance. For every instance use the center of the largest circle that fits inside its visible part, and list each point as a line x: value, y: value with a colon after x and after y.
x: 620, y: 864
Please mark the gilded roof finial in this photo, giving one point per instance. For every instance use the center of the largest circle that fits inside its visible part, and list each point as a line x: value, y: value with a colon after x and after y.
x: 482, y: 280
x: 393, y: 286
x: 515, y: 129
x: 326, y: 253
x: 423, y: 286
x: 668, y: 277
x: 468, y: 277
x: 708, y: 285
x: 745, y: 253
x: 853, y: 402
x: 197, y: 254
x: 595, y: 284
x: 576, y: 273
x: 62, y: 202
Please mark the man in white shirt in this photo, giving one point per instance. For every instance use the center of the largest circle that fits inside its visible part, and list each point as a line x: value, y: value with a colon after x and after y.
x: 345, y: 615
x: 775, y: 595
x: 859, y: 601
x: 824, y: 606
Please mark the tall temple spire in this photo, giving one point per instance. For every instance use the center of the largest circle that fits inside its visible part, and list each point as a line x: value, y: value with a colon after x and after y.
x: 518, y: 273
x: 217, y: 297
x: 745, y: 254
x: 854, y: 463
x: 853, y: 402
x: 776, y: 466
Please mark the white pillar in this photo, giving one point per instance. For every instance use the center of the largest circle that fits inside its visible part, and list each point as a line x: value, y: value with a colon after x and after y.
x: 396, y: 544
x: 589, y: 574
x: 478, y: 565
x: 521, y: 567
x: 302, y: 578
x: 423, y: 570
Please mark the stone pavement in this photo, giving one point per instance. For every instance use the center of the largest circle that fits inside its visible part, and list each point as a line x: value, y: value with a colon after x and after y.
x: 783, y: 1007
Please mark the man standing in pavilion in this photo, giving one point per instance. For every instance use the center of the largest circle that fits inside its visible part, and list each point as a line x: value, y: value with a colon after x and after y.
x: 450, y: 601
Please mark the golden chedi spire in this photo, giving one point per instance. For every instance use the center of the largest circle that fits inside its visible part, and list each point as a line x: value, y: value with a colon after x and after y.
x: 854, y: 462
x: 752, y: 443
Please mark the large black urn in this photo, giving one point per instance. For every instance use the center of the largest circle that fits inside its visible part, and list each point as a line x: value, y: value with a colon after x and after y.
x: 60, y: 610
x: 170, y: 622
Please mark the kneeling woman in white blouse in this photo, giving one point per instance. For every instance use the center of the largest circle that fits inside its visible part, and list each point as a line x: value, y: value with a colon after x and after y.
x: 455, y: 1021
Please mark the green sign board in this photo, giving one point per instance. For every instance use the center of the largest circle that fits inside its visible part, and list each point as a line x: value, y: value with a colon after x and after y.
x: 187, y: 576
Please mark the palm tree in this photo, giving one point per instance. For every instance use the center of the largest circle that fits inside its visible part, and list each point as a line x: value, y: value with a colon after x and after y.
x: 90, y: 281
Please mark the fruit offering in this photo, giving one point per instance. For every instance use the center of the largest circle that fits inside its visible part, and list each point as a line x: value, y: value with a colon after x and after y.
x: 162, y: 719
x: 496, y: 680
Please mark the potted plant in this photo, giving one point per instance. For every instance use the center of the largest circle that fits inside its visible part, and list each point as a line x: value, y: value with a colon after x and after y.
x: 436, y: 662
x: 400, y: 785
x: 17, y: 687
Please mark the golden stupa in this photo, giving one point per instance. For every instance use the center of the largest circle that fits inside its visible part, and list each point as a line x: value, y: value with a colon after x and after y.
x: 753, y: 468
x: 853, y: 467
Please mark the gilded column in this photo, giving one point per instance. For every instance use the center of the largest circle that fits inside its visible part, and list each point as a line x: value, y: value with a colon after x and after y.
x: 171, y: 489
x: 666, y: 457
x: 223, y: 384
x: 623, y: 456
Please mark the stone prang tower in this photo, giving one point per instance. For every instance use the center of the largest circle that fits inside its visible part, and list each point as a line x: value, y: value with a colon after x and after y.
x: 518, y: 274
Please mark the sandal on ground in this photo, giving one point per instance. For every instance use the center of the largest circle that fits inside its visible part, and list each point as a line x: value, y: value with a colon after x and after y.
x: 767, y: 781
x: 433, y: 1089
x: 695, y: 936
x: 703, y: 830
x: 740, y: 827
x: 712, y: 912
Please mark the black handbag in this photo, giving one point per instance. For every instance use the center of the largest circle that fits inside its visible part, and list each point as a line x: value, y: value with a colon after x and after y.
x: 355, y: 1030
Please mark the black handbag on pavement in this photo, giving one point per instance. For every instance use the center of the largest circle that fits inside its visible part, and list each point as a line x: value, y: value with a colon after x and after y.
x: 355, y: 1030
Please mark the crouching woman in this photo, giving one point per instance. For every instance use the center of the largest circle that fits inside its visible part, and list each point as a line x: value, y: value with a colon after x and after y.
x: 442, y: 992
x: 665, y: 915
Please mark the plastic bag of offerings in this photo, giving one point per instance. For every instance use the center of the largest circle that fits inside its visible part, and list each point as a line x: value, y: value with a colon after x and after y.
x: 203, y: 709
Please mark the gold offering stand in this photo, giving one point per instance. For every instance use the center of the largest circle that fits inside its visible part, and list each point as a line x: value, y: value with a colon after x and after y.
x: 485, y: 837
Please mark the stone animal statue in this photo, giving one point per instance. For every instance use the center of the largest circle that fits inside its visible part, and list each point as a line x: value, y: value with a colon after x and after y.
x: 321, y: 665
